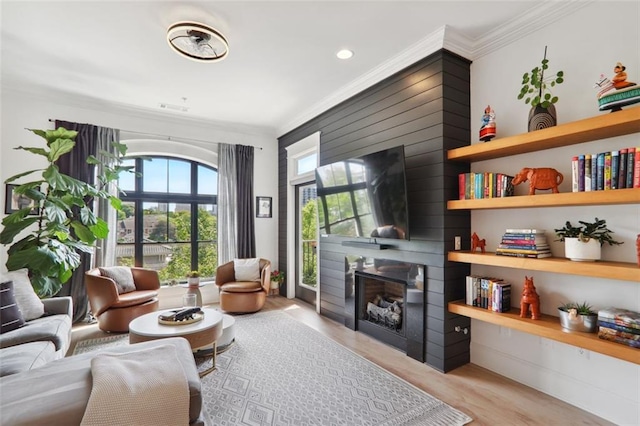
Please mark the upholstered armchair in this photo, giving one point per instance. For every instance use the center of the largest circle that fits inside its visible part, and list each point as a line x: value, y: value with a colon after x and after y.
x: 243, y: 293
x: 117, y: 295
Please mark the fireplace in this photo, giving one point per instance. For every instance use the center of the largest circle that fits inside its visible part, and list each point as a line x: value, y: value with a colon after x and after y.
x: 385, y: 299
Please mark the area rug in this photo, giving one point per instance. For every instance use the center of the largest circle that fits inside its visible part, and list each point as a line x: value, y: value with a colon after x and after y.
x: 282, y: 372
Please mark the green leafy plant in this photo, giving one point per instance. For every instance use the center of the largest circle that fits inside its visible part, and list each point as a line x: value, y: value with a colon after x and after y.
x: 193, y: 274
x: 581, y: 308
x: 64, y: 224
x: 586, y: 230
x: 535, y: 82
x: 277, y: 276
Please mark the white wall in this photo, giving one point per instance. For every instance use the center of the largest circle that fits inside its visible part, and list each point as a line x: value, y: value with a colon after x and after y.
x: 583, y: 47
x: 22, y: 110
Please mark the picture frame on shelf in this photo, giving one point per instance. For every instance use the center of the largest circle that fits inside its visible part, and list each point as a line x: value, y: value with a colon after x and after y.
x: 263, y: 207
x: 14, y: 202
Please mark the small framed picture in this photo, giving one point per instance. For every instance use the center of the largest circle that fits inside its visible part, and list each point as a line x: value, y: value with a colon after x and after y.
x: 14, y: 202
x: 263, y: 206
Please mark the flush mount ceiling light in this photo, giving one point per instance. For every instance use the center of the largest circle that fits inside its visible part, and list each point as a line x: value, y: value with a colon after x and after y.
x: 344, y: 54
x: 197, y: 42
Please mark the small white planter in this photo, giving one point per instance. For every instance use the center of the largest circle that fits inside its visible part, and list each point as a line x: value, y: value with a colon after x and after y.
x: 580, y: 251
x: 275, y: 285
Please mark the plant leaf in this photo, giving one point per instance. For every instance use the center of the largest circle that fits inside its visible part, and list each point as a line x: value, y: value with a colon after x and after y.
x: 100, y: 229
x: 34, y: 150
x: 60, y: 147
x: 83, y: 233
x: 54, y: 178
x: 18, y: 176
x: 12, y: 229
x: 87, y: 216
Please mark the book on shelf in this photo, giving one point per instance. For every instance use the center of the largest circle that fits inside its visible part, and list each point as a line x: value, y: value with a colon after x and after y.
x: 574, y: 174
x: 631, y: 154
x: 525, y: 255
x: 524, y: 231
x: 538, y: 247
x: 594, y: 172
x: 523, y: 241
x: 603, y: 334
x: 625, y: 317
x: 581, y: 173
x: 615, y: 155
x: 600, y: 172
x: 636, y: 168
x: 619, y: 327
x: 607, y: 171
x: 630, y: 336
x: 587, y: 172
x: 501, y: 297
x: 622, y: 169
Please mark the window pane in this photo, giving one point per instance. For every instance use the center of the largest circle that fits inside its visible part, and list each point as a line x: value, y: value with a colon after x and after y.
x: 207, y: 223
x: 180, y: 217
x: 207, y: 259
x: 179, y: 177
x: 125, y: 235
x: 172, y: 261
x: 307, y: 164
x: 207, y: 181
x: 308, y: 221
x: 154, y: 175
x: 127, y: 180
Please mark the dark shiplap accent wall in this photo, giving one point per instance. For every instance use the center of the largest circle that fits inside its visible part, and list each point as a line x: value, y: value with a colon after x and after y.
x: 424, y: 107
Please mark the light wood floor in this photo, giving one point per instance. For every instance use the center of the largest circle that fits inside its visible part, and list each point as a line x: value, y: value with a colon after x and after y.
x: 488, y: 398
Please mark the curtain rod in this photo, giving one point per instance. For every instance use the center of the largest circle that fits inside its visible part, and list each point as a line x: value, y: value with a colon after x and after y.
x: 51, y: 120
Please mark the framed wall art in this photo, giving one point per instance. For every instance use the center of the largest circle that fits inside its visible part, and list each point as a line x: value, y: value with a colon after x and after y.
x: 263, y: 206
x: 14, y: 202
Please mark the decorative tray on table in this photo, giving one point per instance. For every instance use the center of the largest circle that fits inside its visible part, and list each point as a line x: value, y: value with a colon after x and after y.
x: 181, y: 316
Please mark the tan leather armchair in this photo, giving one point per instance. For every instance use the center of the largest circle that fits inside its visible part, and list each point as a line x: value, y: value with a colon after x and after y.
x: 243, y: 296
x: 115, y: 311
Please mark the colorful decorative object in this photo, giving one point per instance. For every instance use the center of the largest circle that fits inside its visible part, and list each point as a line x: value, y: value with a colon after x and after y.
x: 488, y: 128
x: 616, y: 92
x: 620, y: 79
x: 542, y: 178
x: 530, y: 300
x: 578, y: 317
x: 476, y: 242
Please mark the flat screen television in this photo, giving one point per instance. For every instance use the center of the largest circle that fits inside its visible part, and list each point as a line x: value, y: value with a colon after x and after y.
x: 364, y: 197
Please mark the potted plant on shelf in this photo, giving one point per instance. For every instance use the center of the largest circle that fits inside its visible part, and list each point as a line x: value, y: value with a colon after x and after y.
x: 584, y: 243
x: 536, y: 89
x: 194, y: 278
x: 277, y: 278
x: 578, y: 317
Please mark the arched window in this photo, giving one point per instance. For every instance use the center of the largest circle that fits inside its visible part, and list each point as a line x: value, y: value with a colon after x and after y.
x: 169, y: 217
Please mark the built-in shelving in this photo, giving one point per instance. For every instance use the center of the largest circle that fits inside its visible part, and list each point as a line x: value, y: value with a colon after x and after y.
x: 593, y: 198
x: 601, y: 269
x: 603, y: 126
x: 548, y: 327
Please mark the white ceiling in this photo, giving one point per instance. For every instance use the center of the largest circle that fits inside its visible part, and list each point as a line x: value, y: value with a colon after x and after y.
x: 281, y: 65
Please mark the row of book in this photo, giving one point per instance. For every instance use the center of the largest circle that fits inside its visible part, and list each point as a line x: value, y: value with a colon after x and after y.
x: 606, y: 170
x: 493, y: 294
x: 620, y: 326
x: 473, y: 186
x: 530, y: 243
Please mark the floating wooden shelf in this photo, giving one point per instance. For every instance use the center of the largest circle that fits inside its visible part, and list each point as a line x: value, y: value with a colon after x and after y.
x: 548, y: 327
x: 602, y: 126
x: 601, y: 269
x: 618, y: 196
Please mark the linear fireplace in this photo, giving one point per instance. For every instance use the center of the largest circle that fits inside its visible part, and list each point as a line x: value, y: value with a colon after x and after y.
x: 387, y: 302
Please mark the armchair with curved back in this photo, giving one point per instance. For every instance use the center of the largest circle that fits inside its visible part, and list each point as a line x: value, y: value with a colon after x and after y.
x: 242, y: 296
x: 115, y: 311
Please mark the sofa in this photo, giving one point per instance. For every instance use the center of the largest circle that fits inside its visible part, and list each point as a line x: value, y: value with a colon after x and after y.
x: 58, y: 392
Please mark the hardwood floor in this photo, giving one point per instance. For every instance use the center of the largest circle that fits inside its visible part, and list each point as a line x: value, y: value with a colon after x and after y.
x: 488, y: 398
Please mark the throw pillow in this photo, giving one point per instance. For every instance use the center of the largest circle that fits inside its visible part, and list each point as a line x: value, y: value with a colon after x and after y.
x: 247, y: 269
x: 28, y: 301
x: 11, y: 317
x: 122, y: 276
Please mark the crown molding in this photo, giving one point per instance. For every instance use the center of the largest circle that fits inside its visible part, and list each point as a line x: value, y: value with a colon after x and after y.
x: 412, y: 54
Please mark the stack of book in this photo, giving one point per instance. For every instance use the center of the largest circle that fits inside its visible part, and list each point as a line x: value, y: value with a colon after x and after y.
x: 620, y: 326
x: 530, y: 243
x: 490, y: 293
x: 606, y: 170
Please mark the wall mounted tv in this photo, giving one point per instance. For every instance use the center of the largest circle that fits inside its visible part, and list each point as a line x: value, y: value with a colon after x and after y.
x: 364, y: 197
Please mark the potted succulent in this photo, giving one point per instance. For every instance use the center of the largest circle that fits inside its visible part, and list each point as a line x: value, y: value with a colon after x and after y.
x: 578, y: 317
x: 194, y: 278
x: 583, y: 243
x: 536, y: 89
x: 277, y: 278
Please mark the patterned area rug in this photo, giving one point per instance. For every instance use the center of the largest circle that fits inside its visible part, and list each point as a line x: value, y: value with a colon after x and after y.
x: 282, y: 372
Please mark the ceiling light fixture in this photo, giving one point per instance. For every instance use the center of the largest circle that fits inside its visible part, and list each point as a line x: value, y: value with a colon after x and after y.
x: 344, y: 54
x: 197, y: 42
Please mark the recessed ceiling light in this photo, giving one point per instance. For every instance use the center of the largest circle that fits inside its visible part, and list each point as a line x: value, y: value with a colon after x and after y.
x: 197, y: 41
x: 344, y: 54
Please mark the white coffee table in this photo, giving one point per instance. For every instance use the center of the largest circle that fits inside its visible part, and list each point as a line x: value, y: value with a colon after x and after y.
x: 201, y: 334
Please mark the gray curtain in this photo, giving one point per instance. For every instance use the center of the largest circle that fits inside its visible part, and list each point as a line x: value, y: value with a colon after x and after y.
x: 227, y: 189
x: 246, y: 222
x: 105, y: 248
x: 75, y: 165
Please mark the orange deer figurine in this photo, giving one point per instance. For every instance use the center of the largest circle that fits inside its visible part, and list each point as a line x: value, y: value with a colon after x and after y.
x: 530, y: 299
x: 476, y: 242
x: 543, y: 178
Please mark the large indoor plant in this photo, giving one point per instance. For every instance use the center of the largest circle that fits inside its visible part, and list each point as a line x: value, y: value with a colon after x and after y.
x: 64, y: 223
x: 584, y: 242
x: 536, y: 89
x: 578, y: 317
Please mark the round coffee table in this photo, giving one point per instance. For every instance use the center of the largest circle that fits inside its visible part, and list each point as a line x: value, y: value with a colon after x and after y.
x: 201, y: 334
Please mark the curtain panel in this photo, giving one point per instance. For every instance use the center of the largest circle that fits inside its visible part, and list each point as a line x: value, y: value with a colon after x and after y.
x: 246, y: 222
x: 227, y: 189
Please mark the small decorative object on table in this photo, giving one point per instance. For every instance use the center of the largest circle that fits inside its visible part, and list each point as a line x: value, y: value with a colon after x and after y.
x: 476, y: 242
x: 530, y: 299
x: 583, y: 243
x: 277, y: 278
x: 618, y: 92
x: 578, y: 317
x: 543, y: 113
x: 181, y: 316
x: 488, y: 128
x: 541, y: 178
x: 194, y: 278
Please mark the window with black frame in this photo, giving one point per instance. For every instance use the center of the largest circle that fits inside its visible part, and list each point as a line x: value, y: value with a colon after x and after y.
x: 169, y: 217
